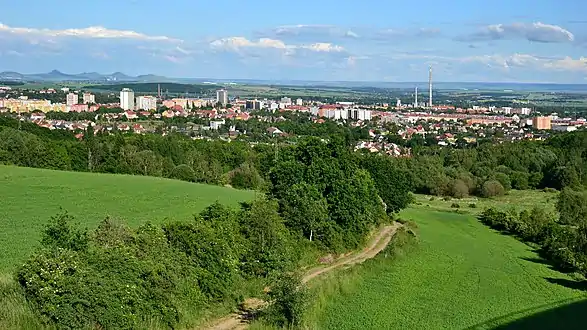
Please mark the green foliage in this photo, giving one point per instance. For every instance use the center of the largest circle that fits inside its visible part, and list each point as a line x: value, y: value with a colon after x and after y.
x: 572, y: 207
x: 492, y: 188
x: 183, y: 172
x: 392, y: 182
x: 246, y: 176
x: 459, y: 189
x: 289, y: 300
x: 59, y: 233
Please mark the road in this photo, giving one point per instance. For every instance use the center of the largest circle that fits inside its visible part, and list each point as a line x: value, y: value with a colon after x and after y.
x: 237, y: 321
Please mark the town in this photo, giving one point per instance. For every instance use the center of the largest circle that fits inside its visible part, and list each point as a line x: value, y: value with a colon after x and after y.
x: 219, y: 117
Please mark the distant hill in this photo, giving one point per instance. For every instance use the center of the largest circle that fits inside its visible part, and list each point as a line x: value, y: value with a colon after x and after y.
x: 58, y: 76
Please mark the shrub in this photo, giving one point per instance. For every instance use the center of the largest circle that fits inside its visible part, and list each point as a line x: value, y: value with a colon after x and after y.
x: 446, y: 198
x: 289, y: 302
x: 473, y: 205
x: 455, y: 205
x: 459, y: 189
x: 492, y: 188
x: 183, y: 172
x: 245, y: 176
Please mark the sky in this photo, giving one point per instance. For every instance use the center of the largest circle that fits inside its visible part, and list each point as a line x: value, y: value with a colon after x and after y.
x: 324, y: 40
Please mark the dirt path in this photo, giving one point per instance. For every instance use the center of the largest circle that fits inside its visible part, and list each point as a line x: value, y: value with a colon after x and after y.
x: 238, y: 321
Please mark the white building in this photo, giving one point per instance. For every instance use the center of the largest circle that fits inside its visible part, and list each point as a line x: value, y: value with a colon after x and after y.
x: 353, y: 114
x: 525, y: 111
x: 72, y: 99
x: 89, y: 98
x: 146, y: 103
x: 299, y: 102
x: 215, y: 124
x: 127, y: 99
x: 222, y: 96
x: 286, y: 101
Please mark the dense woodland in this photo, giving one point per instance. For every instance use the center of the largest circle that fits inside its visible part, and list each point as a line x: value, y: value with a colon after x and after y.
x: 319, y: 196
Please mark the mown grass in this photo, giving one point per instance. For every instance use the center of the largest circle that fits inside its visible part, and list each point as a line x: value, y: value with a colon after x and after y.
x: 462, y: 275
x: 29, y: 197
x: 514, y: 200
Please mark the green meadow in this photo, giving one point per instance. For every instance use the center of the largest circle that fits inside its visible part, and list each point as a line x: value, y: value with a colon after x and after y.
x: 29, y: 197
x: 461, y: 275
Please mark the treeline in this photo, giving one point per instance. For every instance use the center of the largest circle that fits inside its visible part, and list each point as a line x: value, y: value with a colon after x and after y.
x: 493, y: 169
x: 562, y: 240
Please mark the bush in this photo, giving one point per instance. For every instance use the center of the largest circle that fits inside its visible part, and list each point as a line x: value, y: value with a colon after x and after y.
x: 459, y: 189
x: 492, y: 188
x: 183, y: 172
x: 446, y: 198
x: 455, y: 205
x: 289, y: 302
x: 473, y: 205
x: 245, y: 176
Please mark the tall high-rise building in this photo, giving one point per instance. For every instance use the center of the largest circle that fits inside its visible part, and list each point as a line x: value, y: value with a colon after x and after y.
x: 71, y: 99
x: 222, y: 96
x: 416, y: 98
x: 127, y: 99
x: 299, y: 102
x: 146, y: 103
x: 542, y: 123
x: 89, y: 98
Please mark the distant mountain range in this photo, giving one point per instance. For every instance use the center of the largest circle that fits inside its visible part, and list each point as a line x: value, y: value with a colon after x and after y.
x: 119, y: 77
x: 58, y: 76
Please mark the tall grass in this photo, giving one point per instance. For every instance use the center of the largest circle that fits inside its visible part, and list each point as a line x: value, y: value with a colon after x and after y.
x: 15, y: 311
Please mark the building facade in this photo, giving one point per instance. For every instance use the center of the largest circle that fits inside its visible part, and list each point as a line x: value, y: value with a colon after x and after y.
x: 222, y: 96
x: 89, y: 98
x: 72, y: 99
x: 146, y: 103
x: 542, y: 123
x: 127, y: 99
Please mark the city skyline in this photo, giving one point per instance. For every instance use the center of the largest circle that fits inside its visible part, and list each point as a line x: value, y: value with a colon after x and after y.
x: 322, y: 41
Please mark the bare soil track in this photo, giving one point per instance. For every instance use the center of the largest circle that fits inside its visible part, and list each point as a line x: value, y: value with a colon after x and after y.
x: 377, y: 243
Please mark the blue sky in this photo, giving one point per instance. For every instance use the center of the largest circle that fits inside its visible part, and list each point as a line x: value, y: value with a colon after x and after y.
x: 474, y: 40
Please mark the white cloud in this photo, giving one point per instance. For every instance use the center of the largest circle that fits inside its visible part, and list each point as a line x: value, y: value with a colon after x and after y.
x: 323, y: 47
x: 97, y: 32
x: 314, y: 31
x: 238, y: 43
x: 537, y: 32
x: 531, y: 62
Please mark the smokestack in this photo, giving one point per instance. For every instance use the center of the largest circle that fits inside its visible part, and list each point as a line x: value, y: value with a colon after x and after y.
x: 416, y: 98
x: 430, y: 87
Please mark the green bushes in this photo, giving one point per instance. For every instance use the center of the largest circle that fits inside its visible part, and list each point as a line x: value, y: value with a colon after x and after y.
x: 565, y: 246
x: 492, y: 188
x: 120, y: 278
x: 289, y: 299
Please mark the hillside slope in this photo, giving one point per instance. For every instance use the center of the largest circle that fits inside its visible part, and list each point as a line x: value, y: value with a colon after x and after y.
x: 29, y: 197
x: 463, y: 275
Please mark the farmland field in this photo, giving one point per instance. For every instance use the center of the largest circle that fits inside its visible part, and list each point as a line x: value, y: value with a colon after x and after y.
x: 462, y: 275
x: 29, y: 197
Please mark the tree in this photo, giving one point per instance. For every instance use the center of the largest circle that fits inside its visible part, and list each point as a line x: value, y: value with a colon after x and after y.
x: 304, y: 209
x: 492, y: 188
x: 459, y: 189
x: 183, y: 172
x: 289, y: 302
x: 572, y: 207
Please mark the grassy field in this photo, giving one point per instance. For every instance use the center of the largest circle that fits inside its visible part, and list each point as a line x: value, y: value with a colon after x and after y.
x: 462, y: 275
x: 515, y: 200
x: 29, y: 197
